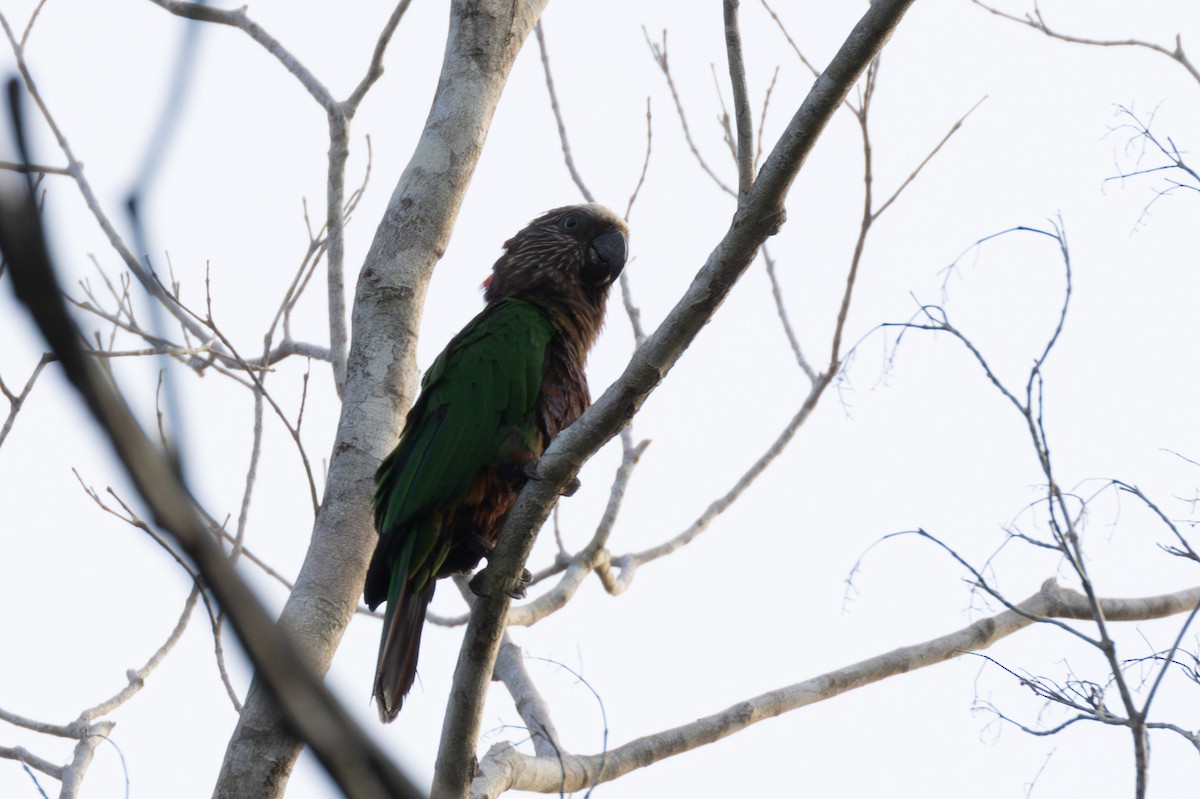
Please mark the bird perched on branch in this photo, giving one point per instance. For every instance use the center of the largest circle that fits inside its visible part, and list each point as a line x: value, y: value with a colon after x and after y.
x: 492, y: 401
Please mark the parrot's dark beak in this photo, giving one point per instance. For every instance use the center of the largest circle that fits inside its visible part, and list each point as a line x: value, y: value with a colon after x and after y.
x: 607, y: 254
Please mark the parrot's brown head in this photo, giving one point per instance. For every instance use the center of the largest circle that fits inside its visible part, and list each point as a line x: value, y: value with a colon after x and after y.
x: 564, y: 261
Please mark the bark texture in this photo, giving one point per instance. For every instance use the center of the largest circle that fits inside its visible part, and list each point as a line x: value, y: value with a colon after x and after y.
x: 483, y: 41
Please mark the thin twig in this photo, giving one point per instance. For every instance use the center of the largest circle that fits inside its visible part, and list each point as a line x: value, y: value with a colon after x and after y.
x: 645, y: 165
x: 562, y: 128
x: 762, y: 120
x: 781, y: 312
x: 1037, y: 23
x: 238, y: 18
x: 628, y: 564
x: 816, y: 73
x: 137, y: 678
x: 659, y: 53
x: 913, y: 175
x: 16, y: 401
x: 75, y: 169
x: 741, y: 98
x: 32, y: 19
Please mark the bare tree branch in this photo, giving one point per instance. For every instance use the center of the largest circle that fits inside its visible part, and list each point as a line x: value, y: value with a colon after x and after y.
x: 759, y: 216
x: 659, y: 53
x: 1143, y: 135
x: 741, y: 99
x: 15, y: 401
x: 562, y: 128
x: 23, y: 755
x: 339, y: 115
x: 72, y: 774
x: 506, y: 769
x: 532, y: 708
x: 937, y: 148
x: 1065, y: 522
x: 34, y: 168
x: 641, y: 179
x: 1036, y: 22
x: 781, y: 312
x: 629, y: 564
x: 360, y: 769
x: 791, y: 42
x: 762, y: 121
x: 238, y: 18
x: 75, y: 169
x: 482, y: 43
x: 137, y: 678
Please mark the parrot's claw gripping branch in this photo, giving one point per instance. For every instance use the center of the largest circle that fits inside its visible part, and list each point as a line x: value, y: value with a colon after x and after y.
x: 516, y: 591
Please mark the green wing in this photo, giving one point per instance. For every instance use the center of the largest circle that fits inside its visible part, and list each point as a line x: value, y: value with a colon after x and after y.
x: 483, y: 385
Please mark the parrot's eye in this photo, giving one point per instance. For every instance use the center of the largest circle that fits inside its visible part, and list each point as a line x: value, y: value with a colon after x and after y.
x: 569, y: 222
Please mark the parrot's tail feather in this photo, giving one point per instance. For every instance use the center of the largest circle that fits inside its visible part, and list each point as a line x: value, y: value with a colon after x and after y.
x: 398, y: 655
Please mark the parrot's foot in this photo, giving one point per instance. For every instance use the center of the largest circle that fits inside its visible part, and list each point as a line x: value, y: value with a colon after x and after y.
x: 531, y: 472
x: 516, y: 592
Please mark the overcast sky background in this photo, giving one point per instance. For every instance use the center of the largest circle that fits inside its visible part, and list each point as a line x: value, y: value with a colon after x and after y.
x: 914, y: 437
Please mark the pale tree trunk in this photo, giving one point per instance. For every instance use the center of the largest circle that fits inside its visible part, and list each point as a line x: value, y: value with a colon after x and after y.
x: 483, y: 41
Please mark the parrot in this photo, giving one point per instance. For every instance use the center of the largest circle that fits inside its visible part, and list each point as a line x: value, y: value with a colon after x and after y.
x: 490, y: 403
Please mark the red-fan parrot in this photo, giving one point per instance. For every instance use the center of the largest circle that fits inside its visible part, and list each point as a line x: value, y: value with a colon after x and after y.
x: 490, y: 403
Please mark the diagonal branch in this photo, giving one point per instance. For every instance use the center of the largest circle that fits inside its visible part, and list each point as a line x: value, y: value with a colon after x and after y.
x: 759, y: 216
x: 937, y: 148
x: 351, y: 758
x: 627, y: 565
x: 506, y: 769
x: 792, y: 42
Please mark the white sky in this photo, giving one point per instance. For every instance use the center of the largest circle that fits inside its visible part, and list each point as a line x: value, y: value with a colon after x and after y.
x: 758, y: 601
